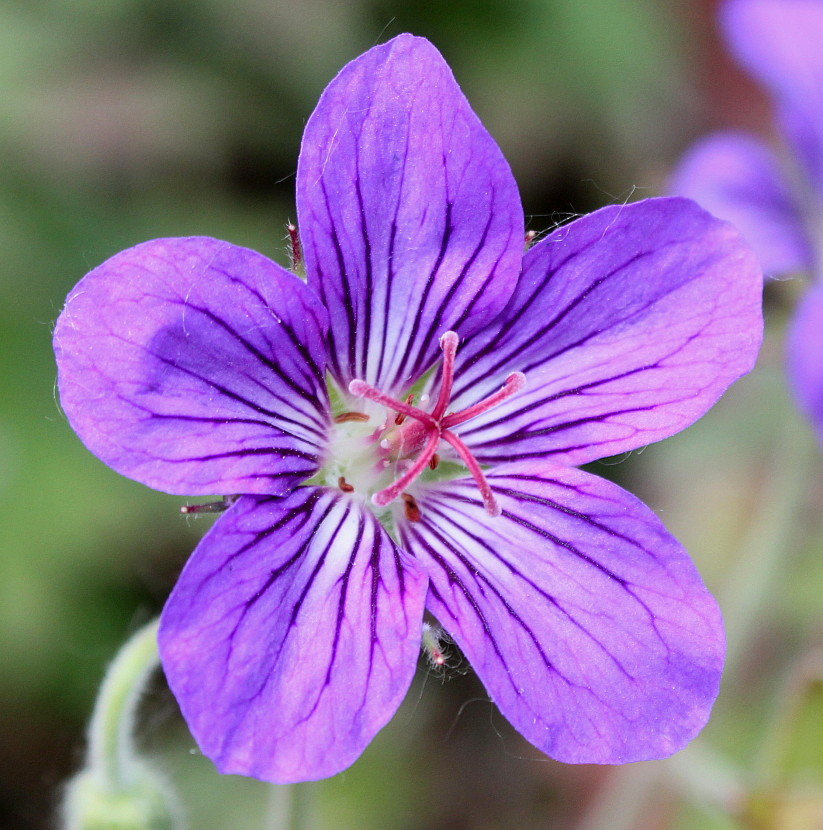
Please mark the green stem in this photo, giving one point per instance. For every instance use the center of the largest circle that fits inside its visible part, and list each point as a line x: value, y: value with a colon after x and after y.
x: 768, y: 542
x: 290, y: 807
x: 803, y: 681
x: 111, y: 731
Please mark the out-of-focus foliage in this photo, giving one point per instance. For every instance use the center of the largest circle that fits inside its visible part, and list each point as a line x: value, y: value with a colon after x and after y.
x: 131, y: 119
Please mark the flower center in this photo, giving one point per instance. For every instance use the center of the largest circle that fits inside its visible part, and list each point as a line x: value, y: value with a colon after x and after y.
x: 414, y: 435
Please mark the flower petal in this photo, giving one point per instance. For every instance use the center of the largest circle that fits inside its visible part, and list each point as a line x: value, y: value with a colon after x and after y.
x: 585, y: 620
x: 805, y: 357
x: 628, y: 323
x: 195, y: 367
x: 739, y: 179
x: 803, y: 128
x: 778, y: 41
x: 410, y: 219
x: 292, y: 635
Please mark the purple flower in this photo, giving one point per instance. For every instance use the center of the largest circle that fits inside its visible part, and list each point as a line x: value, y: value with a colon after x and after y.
x: 403, y: 429
x: 775, y: 198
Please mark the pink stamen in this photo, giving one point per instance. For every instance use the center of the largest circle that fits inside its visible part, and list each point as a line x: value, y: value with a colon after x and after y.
x: 448, y: 343
x: 513, y: 384
x: 489, y: 501
x: 437, y: 426
x: 390, y: 493
x: 362, y: 390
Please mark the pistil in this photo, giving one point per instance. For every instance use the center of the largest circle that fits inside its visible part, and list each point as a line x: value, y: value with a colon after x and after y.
x: 390, y: 493
x: 421, y: 437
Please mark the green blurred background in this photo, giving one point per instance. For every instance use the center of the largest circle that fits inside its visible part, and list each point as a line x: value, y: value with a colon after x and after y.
x: 126, y: 120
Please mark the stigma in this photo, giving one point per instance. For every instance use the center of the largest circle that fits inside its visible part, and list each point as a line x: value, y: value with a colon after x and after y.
x: 415, y: 434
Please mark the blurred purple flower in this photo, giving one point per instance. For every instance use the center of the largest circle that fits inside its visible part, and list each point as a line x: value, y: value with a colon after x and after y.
x: 198, y: 367
x: 775, y: 198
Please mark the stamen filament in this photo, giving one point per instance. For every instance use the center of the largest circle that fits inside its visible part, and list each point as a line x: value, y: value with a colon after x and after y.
x: 362, y: 390
x: 513, y: 384
x: 489, y: 501
x: 390, y: 493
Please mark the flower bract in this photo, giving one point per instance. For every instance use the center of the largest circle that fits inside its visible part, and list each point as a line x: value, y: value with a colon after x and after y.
x: 402, y: 432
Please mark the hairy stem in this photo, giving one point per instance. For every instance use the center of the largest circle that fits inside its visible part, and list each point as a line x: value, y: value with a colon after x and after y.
x: 111, y: 731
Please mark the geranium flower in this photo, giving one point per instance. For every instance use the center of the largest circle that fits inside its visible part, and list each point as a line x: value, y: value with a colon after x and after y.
x: 775, y: 198
x: 402, y: 431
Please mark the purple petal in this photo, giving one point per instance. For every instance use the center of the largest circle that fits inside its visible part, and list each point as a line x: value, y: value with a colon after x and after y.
x: 739, y: 179
x: 628, y: 324
x: 803, y: 127
x: 779, y: 42
x: 586, y: 621
x: 410, y: 218
x: 195, y: 367
x: 292, y: 635
x: 805, y: 357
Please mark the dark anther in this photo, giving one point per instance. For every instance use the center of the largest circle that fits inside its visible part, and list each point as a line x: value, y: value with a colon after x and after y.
x: 412, y: 510
x: 434, y: 461
x: 210, y: 507
x: 344, y: 485
x: 350, y: 416
x: 400, y: 417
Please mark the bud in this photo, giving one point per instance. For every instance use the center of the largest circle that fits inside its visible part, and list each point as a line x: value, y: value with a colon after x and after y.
x: 118, y: 790
x: 147, y: 803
